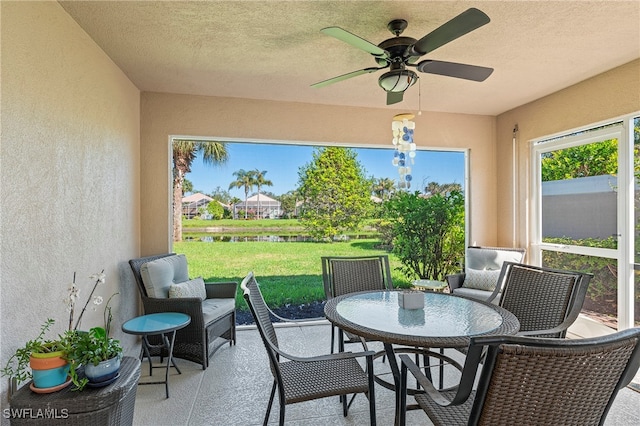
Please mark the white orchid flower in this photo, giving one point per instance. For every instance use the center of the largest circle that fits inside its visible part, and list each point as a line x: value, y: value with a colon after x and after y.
x: 98, y: 277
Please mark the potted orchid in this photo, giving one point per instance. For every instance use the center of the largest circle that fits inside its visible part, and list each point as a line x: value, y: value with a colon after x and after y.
x: 99, y: 354
x: 53, y: 363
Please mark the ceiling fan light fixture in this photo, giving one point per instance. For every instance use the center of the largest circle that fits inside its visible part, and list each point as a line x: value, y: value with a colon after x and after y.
x: 397, y: 80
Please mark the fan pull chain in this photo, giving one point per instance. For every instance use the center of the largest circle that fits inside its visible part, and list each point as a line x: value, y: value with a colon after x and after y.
x: 419, y: 97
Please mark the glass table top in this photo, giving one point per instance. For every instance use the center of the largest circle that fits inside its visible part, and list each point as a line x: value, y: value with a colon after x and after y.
x: 156, y: 323
x: 442, y: 316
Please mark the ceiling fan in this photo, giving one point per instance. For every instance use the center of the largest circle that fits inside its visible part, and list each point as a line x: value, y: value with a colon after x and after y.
x: 400, y: 53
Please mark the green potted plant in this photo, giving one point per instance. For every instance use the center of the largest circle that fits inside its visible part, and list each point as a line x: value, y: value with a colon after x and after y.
x: 42, y: 359
x: 64, y: 355
x: 99, y: 354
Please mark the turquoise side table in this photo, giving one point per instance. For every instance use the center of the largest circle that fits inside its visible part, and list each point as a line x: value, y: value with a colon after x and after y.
x: 164, y: 324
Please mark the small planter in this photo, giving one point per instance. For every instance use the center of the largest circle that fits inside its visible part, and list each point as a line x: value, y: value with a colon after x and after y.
x: 49, y: 369
x: 104, y: 372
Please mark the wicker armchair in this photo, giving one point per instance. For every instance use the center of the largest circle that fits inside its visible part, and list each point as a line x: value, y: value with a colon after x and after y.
x: 207, y: 332
x: 532, y: 381
x: 545, y: 301
x: 343, y: 275
x: 482, y: 271
x: 304, y: 379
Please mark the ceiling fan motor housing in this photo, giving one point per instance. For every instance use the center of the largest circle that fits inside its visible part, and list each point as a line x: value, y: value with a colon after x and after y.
x: 397, y: 48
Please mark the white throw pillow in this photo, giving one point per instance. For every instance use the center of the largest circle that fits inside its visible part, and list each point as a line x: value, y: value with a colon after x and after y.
x: 190, y: 288
x: 485, y: 279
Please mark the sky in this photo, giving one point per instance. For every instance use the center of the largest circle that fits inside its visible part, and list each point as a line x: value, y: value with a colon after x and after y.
x: 282, y: 163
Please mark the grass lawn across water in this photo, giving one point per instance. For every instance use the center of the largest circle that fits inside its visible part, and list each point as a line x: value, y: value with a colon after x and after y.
x: 288, y: 273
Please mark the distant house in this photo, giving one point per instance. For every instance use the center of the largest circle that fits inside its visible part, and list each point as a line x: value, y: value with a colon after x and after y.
x: 192, y: 203
x: 262, y: 207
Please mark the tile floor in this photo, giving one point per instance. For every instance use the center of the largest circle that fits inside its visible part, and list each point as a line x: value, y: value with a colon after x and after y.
x: 234, y: 390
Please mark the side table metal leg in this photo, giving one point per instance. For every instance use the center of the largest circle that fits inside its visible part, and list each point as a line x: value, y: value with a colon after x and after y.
x: 147, y: 353
x: 170, y: 360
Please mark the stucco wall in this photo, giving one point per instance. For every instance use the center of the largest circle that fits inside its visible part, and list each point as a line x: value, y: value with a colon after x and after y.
x: 69, y: 173
x: 605, y: 96
x: 166, y: 114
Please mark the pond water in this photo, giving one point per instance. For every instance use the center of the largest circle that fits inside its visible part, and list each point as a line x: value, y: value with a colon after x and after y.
x: 266, y: 238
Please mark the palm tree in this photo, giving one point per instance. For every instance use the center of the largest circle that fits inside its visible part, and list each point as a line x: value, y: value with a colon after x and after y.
x: 244, y: 179
x: 184, y: 152
x: 383, y: 188
x: 260, y: 181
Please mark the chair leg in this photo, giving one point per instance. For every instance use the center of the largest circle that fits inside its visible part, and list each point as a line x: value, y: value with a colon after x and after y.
x: 282, y: 408
x: 401, y: 410
x: 345, y: 407
x: 371, y: 394
x: 273, y: 393
x: 333, y: 334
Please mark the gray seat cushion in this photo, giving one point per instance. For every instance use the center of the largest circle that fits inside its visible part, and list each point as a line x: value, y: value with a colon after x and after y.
x: 473, y: 293
x: 212, y: 309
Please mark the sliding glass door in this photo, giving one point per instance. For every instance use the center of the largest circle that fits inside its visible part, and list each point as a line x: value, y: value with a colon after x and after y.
x: 584, y: 208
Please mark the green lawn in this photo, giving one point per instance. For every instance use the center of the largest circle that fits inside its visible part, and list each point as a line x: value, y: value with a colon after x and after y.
x: 287, y: 272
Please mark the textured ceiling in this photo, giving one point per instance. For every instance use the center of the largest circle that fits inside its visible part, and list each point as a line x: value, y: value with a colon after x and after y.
x: 274, y: 50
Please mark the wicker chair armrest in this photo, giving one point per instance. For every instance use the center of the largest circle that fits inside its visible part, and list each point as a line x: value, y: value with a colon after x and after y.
x: 455, y: 281
x: 329, y: 357
x: 475, y: 354
x: 221, y: 290
x: 560, y: 328
x: 191, y: 306
x: 461, y: 396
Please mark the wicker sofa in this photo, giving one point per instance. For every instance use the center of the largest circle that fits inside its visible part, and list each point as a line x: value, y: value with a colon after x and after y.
x: 162, y: 280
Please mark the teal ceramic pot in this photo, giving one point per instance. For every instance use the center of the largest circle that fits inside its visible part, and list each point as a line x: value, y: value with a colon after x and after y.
x: 50, y: 378
x: 105, y: 370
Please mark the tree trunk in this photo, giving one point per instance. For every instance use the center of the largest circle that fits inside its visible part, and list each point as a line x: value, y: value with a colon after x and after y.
x: 178, y: 180
x: 246, y: 206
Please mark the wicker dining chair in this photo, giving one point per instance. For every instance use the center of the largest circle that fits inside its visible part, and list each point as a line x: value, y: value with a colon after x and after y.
x: 300, y: 379
x: 343, y: 275
x: 545, y: 301
x: 531, y: 381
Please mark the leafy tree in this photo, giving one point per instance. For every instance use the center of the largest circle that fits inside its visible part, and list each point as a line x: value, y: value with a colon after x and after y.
x: 428, y: 233
x: 335, y: 192
x: 434, y: 188
x: 221, y: 195
x: 260, y: 180
x: 289, y: 202
x: 592, y: 159
x: 245, y: 180
x: 184, y: 152
x: 215, y: 209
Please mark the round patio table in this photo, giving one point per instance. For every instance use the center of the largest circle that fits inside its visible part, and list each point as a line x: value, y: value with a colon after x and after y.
x: 446, y: 321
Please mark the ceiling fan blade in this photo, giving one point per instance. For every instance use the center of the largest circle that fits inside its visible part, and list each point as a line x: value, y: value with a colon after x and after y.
x: 394, y: 97
x: 462, y: 24
x: 345, y: 76
x: 355, y: 41
x: 453, y: 69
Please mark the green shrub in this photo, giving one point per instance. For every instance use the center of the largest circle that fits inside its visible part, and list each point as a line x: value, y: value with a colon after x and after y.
x: 428, y: 233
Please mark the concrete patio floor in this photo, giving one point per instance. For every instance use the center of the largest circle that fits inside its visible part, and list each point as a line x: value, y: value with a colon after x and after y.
x: 235, y: 389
